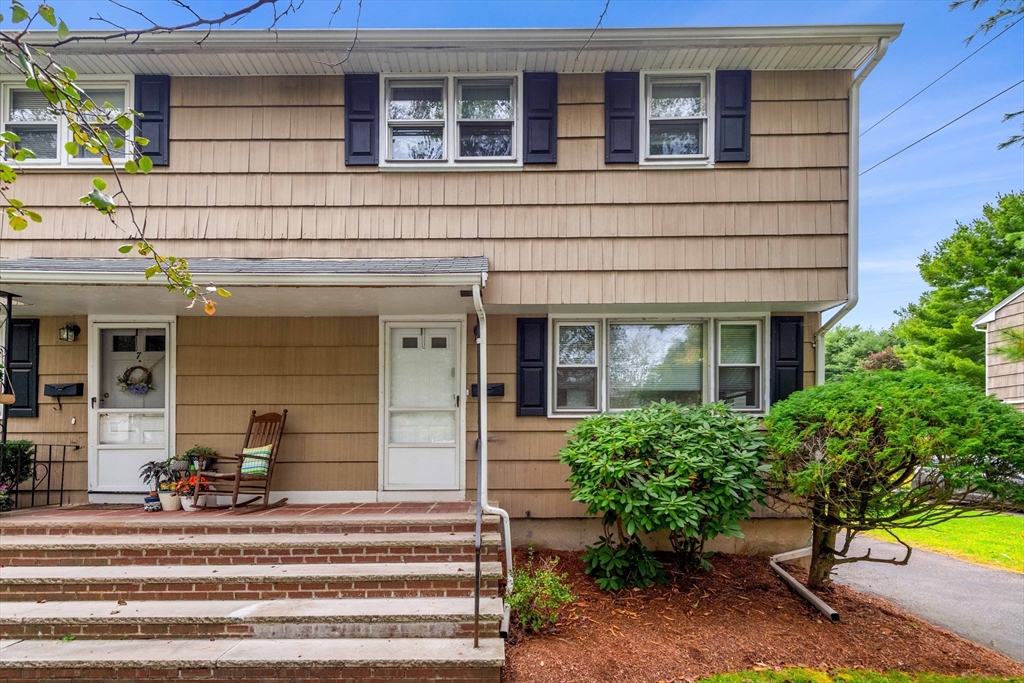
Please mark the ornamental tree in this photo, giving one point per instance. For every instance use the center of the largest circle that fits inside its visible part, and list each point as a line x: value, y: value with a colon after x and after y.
x: 887, y: 451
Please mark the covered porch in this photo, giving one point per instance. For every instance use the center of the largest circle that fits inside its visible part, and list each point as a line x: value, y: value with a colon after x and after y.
x: 373, y: 358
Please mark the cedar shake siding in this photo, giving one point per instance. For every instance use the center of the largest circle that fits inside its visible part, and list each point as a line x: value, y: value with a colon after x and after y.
x: 257, y: 169
x: 1002, y: 378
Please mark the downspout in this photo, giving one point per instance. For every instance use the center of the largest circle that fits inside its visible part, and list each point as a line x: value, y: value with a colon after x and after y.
x: 481, y: 380
x: 853, y: 215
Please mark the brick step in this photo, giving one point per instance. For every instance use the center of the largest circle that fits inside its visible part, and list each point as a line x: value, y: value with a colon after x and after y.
x: 275, y: 619
x: 247, y: 582
x: 251, y: 548
x: 196, y: 523
x: 345, y: 660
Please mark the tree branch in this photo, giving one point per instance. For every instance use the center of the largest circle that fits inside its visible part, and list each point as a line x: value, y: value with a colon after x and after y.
x: 600, y: 20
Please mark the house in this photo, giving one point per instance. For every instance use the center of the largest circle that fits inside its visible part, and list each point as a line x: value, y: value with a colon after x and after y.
x: 681, y: 197
x: 1003, y: 379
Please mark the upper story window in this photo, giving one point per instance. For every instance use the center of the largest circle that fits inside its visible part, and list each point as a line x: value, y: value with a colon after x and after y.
x: 623, y: 364
x: 29, y: 115
x: 452, y: 120
x: 677, y: 127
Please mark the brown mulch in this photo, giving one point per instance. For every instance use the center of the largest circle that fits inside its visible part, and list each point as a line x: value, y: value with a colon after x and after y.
x: 740, y: 616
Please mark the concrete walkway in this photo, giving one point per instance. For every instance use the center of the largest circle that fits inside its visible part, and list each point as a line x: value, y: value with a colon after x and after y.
x: 978, y: 603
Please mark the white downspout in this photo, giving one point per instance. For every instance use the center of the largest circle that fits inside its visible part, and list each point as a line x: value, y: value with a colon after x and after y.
x: 481, y: 382
x: 853, y: 215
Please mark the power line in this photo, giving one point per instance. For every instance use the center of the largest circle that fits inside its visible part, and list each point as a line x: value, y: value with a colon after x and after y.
x: 945, y: 126
x: 942, y: 76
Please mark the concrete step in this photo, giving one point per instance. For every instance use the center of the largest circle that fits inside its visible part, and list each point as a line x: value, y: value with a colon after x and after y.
x: 245, y: 548
x: 247, y: 582
x: 87, y: 523
x: 411, y: 660
x: 274, y: 619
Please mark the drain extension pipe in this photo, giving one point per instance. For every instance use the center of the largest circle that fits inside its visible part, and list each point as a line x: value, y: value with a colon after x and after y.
x: 852, y: 215
x: 481, y: 382
x: 800, y: 589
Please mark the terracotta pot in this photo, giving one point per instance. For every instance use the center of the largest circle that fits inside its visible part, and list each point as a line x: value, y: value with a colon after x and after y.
x: 169, y: 501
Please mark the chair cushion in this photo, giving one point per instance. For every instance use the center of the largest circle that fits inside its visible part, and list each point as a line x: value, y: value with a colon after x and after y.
x: 256, y: 466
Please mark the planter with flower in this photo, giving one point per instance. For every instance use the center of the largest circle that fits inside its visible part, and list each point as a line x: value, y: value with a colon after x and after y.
x: 186, y: 489
x: 160, y: 477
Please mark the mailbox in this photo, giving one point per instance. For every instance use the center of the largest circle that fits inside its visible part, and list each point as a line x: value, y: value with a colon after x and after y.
x: 63, y: 390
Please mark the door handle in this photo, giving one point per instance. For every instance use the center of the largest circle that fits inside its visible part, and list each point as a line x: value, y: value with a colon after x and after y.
x: 457, y: 402
x: 94, y: 402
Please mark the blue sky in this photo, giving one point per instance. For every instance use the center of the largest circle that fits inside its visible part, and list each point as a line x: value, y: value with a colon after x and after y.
x: 907, y: 205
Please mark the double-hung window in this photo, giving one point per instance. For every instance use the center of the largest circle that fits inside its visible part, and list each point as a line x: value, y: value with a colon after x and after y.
x: 576, y: 366
x: 739, y: 364
x: 452, y: 121
x: 677, y: 125
x: 29, y: 115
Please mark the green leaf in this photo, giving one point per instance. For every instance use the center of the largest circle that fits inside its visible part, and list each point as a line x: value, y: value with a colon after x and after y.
x: 18, y: 15
x: 223, y: 292
x: 33, y: 216
x: 99, y: 184
x: 141, y: 141
x: 18, y: 223
x: 63, y: 32
x: 16, y: 203
x: 71, y: 148
x: 125, y: 248
x: 9, y: 136
x: 46, y: 12
x: 131, y: 167
x: 145, y: 164
x: 123, y: 122
x: 152, y: 270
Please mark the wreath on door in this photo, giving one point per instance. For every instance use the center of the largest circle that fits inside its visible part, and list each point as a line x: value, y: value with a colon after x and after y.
x: 137, y: 380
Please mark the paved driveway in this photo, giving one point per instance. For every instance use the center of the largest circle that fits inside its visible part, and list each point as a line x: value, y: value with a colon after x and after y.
x: 981, y: 604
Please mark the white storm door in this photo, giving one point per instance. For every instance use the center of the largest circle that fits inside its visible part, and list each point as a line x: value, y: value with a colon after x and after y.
x: 130, y: 402
x: 422, y: 411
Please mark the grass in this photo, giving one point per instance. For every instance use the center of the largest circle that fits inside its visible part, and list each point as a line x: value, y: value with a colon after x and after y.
x: 993, y: 540
x: 850, y: 676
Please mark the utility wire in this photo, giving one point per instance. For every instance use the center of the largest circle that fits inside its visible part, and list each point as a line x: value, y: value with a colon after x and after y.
x: 942, y: 76
x: 945, y: 126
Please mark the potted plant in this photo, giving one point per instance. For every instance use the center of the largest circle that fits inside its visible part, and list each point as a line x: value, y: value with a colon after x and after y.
x: 186, y: 490
x: 193, y: 455
x: 159, y: 476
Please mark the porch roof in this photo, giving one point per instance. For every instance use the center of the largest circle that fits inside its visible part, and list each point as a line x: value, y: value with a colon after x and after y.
x: 260, y: 286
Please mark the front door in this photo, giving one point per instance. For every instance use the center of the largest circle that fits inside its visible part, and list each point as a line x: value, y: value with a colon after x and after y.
x: 422, y: 416
x: 129, y: 402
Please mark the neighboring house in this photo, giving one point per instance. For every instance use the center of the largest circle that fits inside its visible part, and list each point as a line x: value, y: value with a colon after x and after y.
x: 662, y: 215
x: 1003, y: 379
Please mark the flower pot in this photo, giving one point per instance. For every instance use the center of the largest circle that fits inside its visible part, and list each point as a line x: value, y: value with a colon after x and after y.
x: 169, y: 501
x: 187, y: 504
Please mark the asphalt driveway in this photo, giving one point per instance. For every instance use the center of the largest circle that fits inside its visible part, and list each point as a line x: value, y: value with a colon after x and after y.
x: 978, y: 603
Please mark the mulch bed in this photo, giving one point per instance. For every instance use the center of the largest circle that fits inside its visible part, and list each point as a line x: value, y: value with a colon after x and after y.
x: 740, y: 616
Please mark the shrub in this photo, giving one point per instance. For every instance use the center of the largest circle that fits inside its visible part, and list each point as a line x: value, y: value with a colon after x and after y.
x: 892, y: 450
x: 538, y: 594
x: 886, y: 359
x: 16, y: 462
x: 615, y: 566
x: 691, y: 471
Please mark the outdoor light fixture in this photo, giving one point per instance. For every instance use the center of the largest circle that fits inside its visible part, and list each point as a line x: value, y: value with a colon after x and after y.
x: 69, y: 332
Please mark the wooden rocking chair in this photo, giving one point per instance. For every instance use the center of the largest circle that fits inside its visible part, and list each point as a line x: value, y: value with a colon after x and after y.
x: 264, y: 430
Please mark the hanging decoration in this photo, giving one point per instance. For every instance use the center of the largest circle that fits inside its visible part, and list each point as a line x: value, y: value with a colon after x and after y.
x: 137, y: 380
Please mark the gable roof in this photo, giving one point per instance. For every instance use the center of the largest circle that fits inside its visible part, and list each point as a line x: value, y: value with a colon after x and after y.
x: 990, y: 315
x: 327, y: 52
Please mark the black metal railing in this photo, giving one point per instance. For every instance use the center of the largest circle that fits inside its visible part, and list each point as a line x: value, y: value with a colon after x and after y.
x: 45, y: 486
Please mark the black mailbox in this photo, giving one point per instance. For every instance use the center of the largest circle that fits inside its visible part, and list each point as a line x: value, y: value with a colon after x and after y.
x: 69, y: 389
x: 493, y: 389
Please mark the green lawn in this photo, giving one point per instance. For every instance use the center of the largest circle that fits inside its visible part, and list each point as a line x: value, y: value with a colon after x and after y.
x: 812, y: 676
x: 995, y: 540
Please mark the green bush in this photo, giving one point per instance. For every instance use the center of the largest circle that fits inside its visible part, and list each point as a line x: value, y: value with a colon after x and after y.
x: 16, y: 462
x: 615, y: 566
x: 538, y: 594
x: 892, y: 450
x: 692, y: 471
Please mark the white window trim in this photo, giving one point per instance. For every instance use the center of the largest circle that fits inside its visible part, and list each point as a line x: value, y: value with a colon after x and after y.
x: 451, y: 160
x: 599, y: 356
x: 706, y: 160
x: 711, y: 322
x: 64, y: 160
x: 759, y: 356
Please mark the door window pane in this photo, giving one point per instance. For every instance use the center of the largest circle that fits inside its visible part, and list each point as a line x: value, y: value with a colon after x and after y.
x: 422, y: 376
x: 422, y: 427
x: 653, y: 362
x: 132, y: 429
x: 416, y: 103
x: 417, y: 143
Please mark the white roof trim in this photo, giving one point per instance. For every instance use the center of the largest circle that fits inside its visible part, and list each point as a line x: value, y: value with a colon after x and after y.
x: 249, y: 280
x: 990, y: 315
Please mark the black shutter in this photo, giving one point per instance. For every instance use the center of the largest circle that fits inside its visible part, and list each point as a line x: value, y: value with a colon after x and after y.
x: 362, y: 107
x: 153, y: 101
x: 787, y: 371
x: 621, y: 118
x: 23, y: 368
x: 540, y: 114
x: 531, y: 366
x: 732, y: 116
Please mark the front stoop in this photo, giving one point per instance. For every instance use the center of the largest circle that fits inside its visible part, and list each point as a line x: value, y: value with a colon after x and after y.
x: 289, y: 596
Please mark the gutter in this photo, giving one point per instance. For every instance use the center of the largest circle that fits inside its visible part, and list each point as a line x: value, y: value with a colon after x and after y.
x: 483, y: 506
x: 853, y: 214
x: 26, y: 277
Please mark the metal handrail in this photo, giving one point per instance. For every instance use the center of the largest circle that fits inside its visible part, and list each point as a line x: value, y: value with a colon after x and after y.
x: 42, y: 472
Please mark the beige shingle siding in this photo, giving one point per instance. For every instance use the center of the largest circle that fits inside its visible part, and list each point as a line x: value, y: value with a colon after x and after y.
x: 1005, y: 379
x: 257, y: 169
